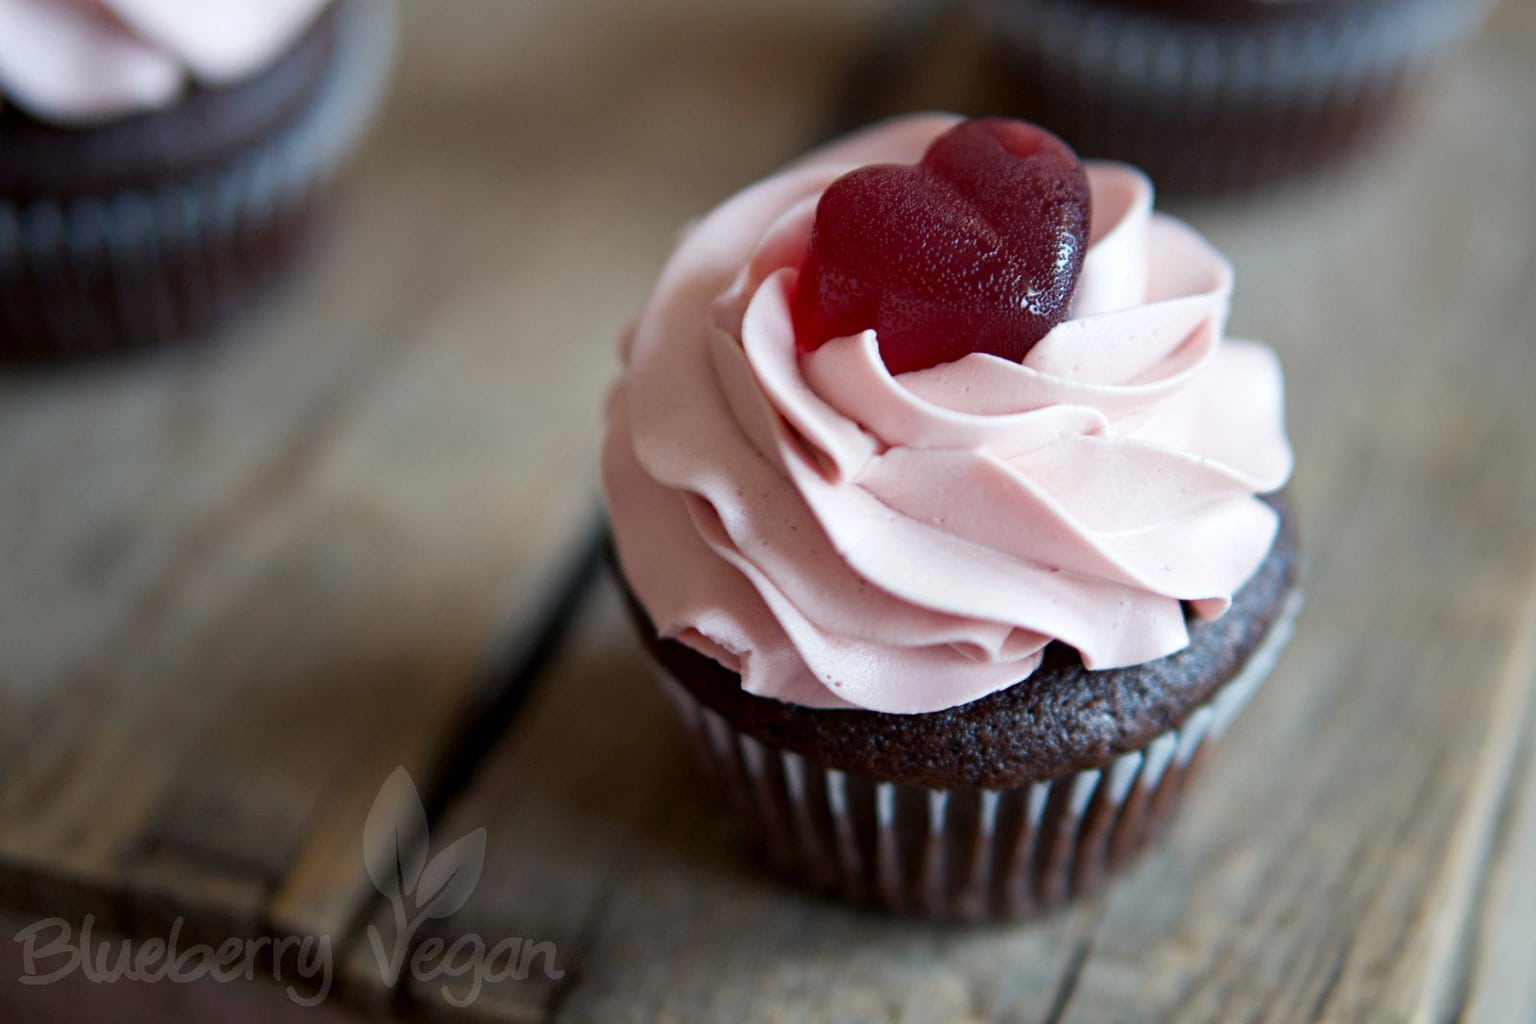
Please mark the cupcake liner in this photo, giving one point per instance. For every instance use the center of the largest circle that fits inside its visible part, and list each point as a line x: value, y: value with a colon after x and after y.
x: 1219, y: 104
x: 961, y: 854
x: 88, y: 276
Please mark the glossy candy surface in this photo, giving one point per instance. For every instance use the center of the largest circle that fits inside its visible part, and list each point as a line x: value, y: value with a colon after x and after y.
x: 977, y: 248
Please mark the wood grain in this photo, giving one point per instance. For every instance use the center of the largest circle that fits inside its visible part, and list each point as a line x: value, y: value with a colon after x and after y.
x: 1353, y: 849
x: 242, y: 583
x: 1499, y: 983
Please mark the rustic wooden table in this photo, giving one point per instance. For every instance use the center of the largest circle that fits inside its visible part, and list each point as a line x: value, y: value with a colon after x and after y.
x: 242, y: 584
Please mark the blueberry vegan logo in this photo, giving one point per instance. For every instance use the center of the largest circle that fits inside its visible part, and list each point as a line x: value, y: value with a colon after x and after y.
x: 395, y: 846
x: 421, y: 888
x: 417, y: 888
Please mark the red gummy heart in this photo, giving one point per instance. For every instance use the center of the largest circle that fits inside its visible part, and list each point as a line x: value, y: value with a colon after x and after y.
x: 975, y: 249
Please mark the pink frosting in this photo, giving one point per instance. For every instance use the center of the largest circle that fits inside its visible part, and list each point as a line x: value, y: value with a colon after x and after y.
x: 85, y: 61
x: 843, y: 538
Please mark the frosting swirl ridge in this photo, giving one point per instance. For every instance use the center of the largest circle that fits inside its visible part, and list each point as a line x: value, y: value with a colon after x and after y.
x: 843, y: 537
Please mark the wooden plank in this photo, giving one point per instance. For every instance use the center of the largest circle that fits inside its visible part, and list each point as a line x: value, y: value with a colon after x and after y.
x: 1500, y: 984
x: 675, y: 163
x: 1334, y: 873
x: 602, y: 843
x: 245, y: 582
x: 1336, y: 862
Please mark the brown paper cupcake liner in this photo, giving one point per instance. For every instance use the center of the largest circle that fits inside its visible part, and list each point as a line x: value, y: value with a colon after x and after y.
x: 1216, y: 105
x: 961, y: 854
x: 89, y: 276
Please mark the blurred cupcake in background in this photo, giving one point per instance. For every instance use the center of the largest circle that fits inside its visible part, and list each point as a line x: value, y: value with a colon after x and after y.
x: 1220, y: 95
x: 161, y: 160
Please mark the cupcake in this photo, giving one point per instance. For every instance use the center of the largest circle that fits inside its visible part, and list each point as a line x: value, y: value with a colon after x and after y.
x: 164, y: 160
x: 1218, y: 95
x: 947, y: 513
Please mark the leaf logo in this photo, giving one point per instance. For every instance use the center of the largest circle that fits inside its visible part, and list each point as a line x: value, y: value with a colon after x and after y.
x: 395, y: 849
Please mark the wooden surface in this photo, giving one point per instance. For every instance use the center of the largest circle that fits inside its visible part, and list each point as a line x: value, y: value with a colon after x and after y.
x: 242, y: 584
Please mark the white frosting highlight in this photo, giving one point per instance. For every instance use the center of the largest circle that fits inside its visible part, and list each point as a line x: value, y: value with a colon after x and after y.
x: 842, y: 537
x: 85, y: 61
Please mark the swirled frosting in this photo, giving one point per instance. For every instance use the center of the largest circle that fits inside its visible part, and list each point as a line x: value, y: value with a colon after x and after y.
x: 78, y: 62
x: 845, y: 538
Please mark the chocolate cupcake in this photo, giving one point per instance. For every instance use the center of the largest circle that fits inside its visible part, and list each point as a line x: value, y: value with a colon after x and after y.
x: 939, y: 495
x: 1212, y: 96
x: 164, y: 162
x: 997, y: 809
